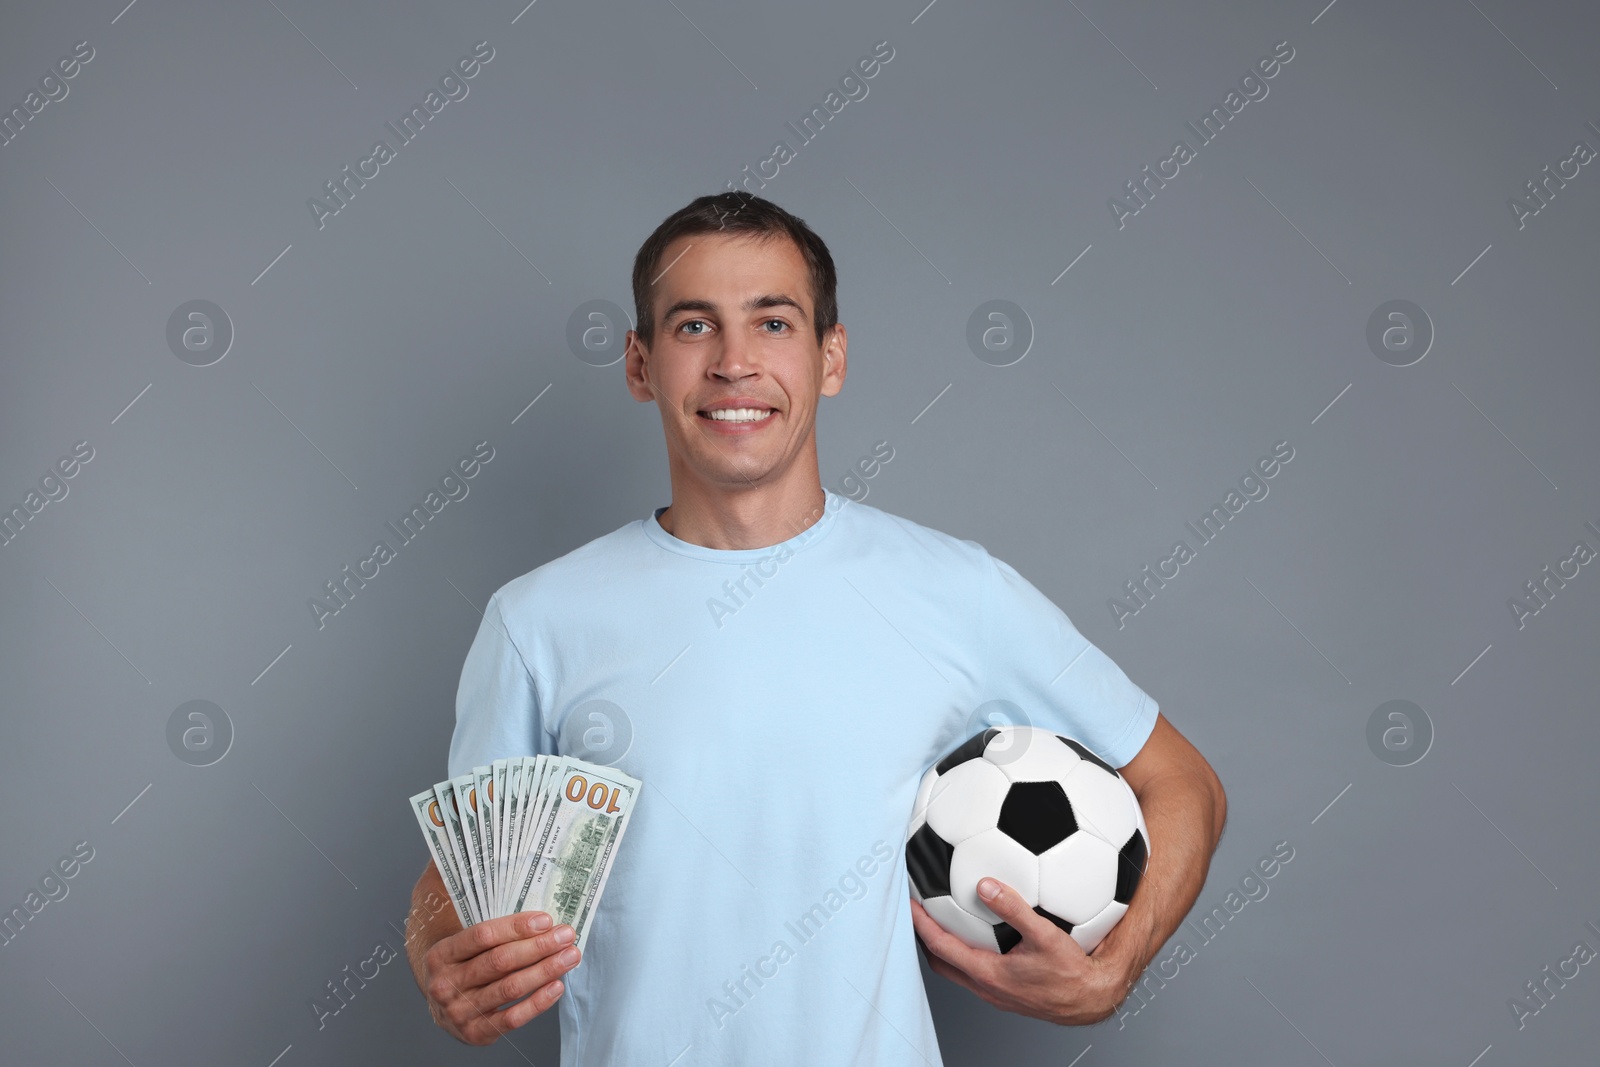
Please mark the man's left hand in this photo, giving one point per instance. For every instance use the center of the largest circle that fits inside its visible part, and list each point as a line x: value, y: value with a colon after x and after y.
x: 1047, y: 976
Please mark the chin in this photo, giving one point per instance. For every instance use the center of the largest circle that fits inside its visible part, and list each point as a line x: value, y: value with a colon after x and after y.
x: 739, y: 476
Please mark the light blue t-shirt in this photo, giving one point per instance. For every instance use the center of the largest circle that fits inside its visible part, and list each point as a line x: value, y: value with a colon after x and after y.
x: 780, y: 705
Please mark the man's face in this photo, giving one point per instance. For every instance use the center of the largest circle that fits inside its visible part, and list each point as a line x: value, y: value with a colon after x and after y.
x: 734, y: 330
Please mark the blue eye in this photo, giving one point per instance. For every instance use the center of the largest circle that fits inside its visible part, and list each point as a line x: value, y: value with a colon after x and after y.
x: 693, y: 322
x: 780, y: 322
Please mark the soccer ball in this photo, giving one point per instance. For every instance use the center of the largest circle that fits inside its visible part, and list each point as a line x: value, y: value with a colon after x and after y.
x: 1041, y: 813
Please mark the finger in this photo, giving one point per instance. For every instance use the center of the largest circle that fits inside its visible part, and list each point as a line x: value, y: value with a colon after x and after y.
x: 457, y: 1015
x: 486, y: 1027
x: 519, y: 984
x: 943, y: 944
x: 966, y: 981
x: 953, y: 973
x: 543, y: 999
x: 501, y: 960
x: 928, y: 931
x: 946, y: 970
x: 1009, y: 905
x: 479, y: 938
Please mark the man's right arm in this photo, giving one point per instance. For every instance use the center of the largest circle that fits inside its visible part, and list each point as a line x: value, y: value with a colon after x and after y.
x: 468, y: 974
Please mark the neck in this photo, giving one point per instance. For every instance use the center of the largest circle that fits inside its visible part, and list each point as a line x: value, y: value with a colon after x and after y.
x: 748, y: 517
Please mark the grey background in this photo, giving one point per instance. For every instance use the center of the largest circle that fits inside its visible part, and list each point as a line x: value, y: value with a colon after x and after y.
x: 1228, y: 315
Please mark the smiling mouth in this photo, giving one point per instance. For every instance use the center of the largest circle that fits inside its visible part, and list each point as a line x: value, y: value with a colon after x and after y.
x: 737, y: 415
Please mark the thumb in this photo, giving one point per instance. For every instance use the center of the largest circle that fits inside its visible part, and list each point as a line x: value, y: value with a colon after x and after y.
x: 1009, y: 905
x: 1004, y: 901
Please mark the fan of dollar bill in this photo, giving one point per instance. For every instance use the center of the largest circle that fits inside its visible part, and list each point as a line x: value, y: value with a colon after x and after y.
x: 535, y: 833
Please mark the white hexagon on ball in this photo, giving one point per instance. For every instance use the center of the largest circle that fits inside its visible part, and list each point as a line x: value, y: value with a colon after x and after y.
x: 992, y: 854
x: 1103, y: 803
x: 966, y: 800
x: 979, y: 933
x: 1077, y: 878
x: 1089, y: 935
x: 919, y: 807
x: 1029, y: 754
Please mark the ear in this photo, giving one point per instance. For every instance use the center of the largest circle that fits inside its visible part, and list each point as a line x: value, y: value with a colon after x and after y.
x: 636, y: 370
x: 834, y: 362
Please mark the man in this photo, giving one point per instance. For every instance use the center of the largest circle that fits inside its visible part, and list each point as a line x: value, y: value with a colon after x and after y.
x: 789, y: 663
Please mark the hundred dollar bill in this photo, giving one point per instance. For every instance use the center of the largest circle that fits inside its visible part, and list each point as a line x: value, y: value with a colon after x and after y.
x: 515, y: 806
x: 534, y: 843
x: 483, y: 806
x: 577, y: 864
x: 510, y: 814
x: 502, y: 815
x: 529, y: 768
x: 455, y: 837
x: 543, y: 802
x: 603, y: 872
x: 534, y: 797
x: 457, y: 789
x: 584, y: 817
x: 465, y: 787
x: 429, y: 816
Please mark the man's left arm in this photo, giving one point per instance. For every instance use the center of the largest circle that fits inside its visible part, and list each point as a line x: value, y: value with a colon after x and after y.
x: 1048, y: 976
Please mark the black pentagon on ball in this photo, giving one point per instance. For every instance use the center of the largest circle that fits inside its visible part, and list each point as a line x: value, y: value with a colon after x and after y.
x: 928, y: 861
x: 1006, y: 936
x: 970, y: 749
x: 1084, y: 753
x: 1066, y: 927
x: 1037, y: 815
x: 1130, y: 867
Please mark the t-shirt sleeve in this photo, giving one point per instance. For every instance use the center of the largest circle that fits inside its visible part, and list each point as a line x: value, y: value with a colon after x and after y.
x: 497, y: 703
x: 1037, y: 659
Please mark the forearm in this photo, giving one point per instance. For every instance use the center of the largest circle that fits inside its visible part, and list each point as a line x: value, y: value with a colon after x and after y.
x: 432, y: 918
x: 1185, y: 814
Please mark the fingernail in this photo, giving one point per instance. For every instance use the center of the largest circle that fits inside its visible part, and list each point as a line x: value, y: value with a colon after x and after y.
x: 570, y: 956
x: 541, y: 921
x: 565, y: 935
x: 988, y: 888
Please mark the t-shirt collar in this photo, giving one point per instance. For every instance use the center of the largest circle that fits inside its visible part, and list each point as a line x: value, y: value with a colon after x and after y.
x: 832, y: 502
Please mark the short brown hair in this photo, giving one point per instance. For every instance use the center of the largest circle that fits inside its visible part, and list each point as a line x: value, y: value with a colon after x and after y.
x: 736, y: 213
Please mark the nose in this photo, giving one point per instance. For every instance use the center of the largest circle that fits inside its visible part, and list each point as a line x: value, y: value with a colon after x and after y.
x: 735, y: 357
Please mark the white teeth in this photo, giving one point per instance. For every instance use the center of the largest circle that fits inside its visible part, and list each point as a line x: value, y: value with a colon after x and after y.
x: 739, y: 414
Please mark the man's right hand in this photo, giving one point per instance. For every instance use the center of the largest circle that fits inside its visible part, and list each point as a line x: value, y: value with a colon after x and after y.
x: 468, y: 975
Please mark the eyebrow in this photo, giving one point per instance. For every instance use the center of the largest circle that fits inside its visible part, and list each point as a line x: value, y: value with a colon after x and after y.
x: 769, y: 300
